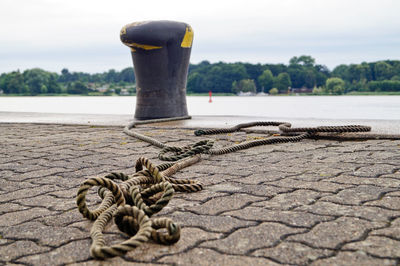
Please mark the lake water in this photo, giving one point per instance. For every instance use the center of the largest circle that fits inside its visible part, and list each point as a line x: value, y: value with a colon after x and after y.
x: 318, y: 107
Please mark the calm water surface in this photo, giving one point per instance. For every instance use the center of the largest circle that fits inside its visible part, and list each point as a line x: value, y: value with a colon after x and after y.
x: 320, y: 107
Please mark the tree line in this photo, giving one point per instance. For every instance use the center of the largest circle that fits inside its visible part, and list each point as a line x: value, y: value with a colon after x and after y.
x: 38, y: 81
x: 301, y: 74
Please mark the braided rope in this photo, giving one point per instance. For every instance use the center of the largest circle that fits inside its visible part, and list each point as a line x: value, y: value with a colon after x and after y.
x: 98, y: 249
x: 236, y: 128
x: 284, y: 127
x: 137, y: 197
x: 173, y: 231
x: 151, y: 188
x: 98, y: 181
x: 179, y: 153
x: 147, y: 185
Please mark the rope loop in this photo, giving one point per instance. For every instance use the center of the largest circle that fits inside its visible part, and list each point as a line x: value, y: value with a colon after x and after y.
x: 115, y: 196
x: 171, y: 236
x: 139, y: 197
x: 130, y: 220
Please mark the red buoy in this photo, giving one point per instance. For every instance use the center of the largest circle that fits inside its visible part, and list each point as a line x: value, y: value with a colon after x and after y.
x: 210, y: 93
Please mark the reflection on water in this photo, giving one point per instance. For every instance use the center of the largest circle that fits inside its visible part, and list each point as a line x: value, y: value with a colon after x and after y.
x: 321, y: 107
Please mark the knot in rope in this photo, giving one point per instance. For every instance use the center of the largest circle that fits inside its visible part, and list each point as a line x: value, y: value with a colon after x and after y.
x: 182, y: 152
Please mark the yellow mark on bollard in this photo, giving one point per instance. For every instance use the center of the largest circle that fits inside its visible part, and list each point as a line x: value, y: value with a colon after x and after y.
x: 142, y: 46
x: 187, y: 38
x: 123, y: 31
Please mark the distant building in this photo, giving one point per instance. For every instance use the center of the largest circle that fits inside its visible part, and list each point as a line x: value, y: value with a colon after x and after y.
x: 247, y: 93
x: 124, y: 92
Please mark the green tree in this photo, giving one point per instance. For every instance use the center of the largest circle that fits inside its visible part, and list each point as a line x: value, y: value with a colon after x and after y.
x: 65, y: 75
x: 304, y: 60
x: 219, y: 77
x: 282, y: 82
x: 194, y: 82
x: 384, y: 85
x: 127, y: 75
x: 52, y: 85
x: 273, y: 91
x: 13, y: 83
x: 37, y: 80
x: 341, y: 71
x: 335, y: 86
x: 383, y: 71
x: 253, y: 72
x: 309, y: 79
x: 266, y: 80
x: 244, y: 85
x: 77, y: 87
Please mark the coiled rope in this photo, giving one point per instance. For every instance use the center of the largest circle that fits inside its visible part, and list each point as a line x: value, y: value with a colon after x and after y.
x: 133, y: 202
x: 136, y: 198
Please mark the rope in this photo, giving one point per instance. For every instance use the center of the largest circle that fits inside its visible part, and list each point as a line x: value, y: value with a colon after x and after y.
x: 136, y: 198
x: 149, y: 190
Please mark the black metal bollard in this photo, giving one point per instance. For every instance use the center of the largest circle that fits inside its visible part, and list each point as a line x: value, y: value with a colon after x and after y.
x: 160, y: 52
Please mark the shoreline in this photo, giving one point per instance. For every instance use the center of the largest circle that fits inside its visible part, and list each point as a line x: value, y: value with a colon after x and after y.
x: 214, y: 95
x: 198, y: 121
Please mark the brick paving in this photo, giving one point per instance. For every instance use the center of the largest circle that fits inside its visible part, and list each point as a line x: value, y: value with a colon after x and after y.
x: 316, y: 202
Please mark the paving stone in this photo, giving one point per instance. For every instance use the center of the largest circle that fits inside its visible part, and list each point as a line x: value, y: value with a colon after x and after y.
x: 27, y: 192
x: 259, y: 178
x: 393, y: 231
x: 14, y: 218
x: 389, y: 202
x: 62, y: 218
x: 320, y: 186
x: 37, y: 174
x: 333, y: 234
x: 112, y: 261
x: 68, y: 253
x: 190, y: 237
x: 381, y: 181
x: 263, y: 190
x: 204, y: 256
x: 49, y: 202
x: 292, y: 253
x: 291, y: 218
x: 354, y: 258
x: 367, y: 212
x: 223, y: 224
x: 357, y: 195
x: 11, y: 207
x: 12, y: 251
x: 290, y: 200
x: 375, y: 170
x: 224, y: 203
x: 12, y: 186
x: 376, y: 246
x: 200, y: 196
x: 53, y: 236
x: 245, y: 240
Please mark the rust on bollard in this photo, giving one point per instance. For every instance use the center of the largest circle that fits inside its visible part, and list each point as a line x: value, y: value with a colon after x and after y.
x: 160, y: 53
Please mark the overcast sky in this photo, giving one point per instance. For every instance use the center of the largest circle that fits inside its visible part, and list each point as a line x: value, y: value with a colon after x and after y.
x: 83, y: 35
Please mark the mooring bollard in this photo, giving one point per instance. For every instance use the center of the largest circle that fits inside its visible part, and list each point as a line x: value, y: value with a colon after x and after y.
x: 160, y: 52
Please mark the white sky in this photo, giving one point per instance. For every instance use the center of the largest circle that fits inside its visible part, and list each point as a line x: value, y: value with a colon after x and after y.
x: 83, y: 35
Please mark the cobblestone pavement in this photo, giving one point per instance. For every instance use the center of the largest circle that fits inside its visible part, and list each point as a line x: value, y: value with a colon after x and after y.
x: 315, y: 202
